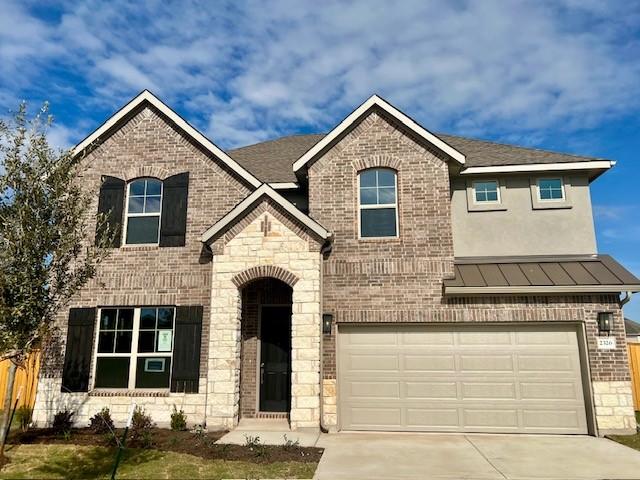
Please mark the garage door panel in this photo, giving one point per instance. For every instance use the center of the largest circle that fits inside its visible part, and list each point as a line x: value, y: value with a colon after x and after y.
x: 417, y: 418
x: 430, y: 390
x: 486, y: 363
x: 548, y: 364
x: 488, y: 390
x: 374, y: 390
x: 493, y: 418
x: 429, y: 363
x: 374, y: 362
x: 450, y: 378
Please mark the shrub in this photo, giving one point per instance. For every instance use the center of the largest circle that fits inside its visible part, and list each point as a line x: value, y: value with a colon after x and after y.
x: 24, y: 416
x: 101, y: 422
x: 290, y: 444
x: 141, y: 425
x: 178, y: 420
x: 62, y: 423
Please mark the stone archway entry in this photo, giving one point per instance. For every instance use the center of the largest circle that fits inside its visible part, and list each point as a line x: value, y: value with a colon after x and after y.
x: 265, y: 245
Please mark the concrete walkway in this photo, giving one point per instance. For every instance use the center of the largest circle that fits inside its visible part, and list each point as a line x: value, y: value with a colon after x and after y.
x: 474, y: 457
x: 270, y: 432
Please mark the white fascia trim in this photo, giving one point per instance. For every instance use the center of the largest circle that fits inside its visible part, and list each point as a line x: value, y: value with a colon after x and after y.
x: 540, y: 289
x: 275, y: 196
x: 541, y: 167
x: 391, y: 110
x: 283, y: 185
x: 146, y: 95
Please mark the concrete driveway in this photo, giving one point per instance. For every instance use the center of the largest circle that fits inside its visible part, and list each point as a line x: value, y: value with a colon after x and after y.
x: 474, y: 457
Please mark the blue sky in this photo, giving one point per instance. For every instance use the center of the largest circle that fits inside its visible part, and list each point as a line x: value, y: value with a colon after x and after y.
x: 561, y: 74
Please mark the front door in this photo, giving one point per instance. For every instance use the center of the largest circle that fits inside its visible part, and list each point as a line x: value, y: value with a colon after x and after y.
x: 275, y: 359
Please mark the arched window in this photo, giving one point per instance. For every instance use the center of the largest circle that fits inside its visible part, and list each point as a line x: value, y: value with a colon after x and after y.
x: 144, y: 204
x: 378, y: 203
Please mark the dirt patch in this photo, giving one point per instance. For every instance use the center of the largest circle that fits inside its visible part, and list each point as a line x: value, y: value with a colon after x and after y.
x: 193, y: 443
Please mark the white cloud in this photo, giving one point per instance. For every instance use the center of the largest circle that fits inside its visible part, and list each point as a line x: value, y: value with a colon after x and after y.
x: 515, y: 69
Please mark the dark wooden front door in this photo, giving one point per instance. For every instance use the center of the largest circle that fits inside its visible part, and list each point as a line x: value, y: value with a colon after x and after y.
x: 275, y: 359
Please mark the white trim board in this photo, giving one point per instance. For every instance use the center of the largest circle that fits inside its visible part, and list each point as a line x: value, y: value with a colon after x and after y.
x: 541, y: 167
x: 284, y: 185
x: 146, y: 95
x: 275, y: 196
x: 375, y: 100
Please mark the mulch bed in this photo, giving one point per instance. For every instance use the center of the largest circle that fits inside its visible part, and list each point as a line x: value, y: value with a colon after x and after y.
x: 201, y: 445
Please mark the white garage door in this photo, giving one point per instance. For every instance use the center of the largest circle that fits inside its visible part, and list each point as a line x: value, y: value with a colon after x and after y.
x: 461, y: 379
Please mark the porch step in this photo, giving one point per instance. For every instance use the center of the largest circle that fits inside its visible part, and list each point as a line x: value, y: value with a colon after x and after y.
x: 275, y: 415
x: 264, y: 424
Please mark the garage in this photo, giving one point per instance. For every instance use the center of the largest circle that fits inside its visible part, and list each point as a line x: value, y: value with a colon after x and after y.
x: 487, y: 378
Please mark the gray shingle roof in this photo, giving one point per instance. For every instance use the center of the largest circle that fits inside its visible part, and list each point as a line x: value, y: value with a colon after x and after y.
x: 272, y: 161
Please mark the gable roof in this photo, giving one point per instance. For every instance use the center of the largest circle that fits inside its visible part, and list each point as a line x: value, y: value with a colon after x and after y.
x: 540, y: 274
x: 271, y: 160
x: 246, y: 204
x: 147, y: 96
x: 356, y: 115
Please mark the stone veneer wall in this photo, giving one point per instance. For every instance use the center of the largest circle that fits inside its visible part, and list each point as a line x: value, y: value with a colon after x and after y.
x: 147, y: 145
x: 274, y: 243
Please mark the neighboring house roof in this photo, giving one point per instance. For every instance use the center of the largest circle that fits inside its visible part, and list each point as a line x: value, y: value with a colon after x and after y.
x: 247, y: 204
x: 631, y: 327
x: 271, y: 160
x: 540, y: 274
x: 147, y: 96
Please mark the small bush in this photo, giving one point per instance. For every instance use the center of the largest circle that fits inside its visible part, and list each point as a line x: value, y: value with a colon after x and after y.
x: 290, y: 444
x: 141, y: 425
x: 24, y: 416
x: 178, y: 420
x: 62, y: 423
x: 101, y: 422
x: 255, y: 445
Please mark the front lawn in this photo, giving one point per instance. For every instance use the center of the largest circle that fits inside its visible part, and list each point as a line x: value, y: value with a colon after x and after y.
x: 42, y: 461
x: 631, y: 441
x: 81, y: 453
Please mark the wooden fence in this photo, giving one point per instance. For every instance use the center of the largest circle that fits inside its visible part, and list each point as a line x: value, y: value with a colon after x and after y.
x: 634, y: 364
x: 26, y: 378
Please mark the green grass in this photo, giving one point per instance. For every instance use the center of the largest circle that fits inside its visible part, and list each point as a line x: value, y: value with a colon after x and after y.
x: 77, y: 462
x: 632, y: 441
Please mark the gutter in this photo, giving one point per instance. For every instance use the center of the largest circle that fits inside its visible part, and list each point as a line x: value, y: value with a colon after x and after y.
x: 627, y: 297
x: 326, y: 248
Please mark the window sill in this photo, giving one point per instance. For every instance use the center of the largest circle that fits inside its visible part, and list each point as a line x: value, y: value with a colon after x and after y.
x: 379, y: 239
x: 140, y: 247
x: 496, y: 207
x: 551, y: 205
x: 128, y: 393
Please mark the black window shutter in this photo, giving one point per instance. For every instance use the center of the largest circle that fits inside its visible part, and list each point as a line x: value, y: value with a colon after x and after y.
x: 77, y: 358
x: 111, y: 203
x: 186, y: 349
x: 173, y: 225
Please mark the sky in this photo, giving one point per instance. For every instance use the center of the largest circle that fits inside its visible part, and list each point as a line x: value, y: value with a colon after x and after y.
x: 555, y: 74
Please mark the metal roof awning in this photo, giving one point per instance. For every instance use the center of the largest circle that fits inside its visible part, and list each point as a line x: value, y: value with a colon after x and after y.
x: 540, y: 275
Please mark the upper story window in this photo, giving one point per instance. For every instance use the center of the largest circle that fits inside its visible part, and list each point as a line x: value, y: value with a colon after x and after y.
x: 378, y: 203
x: 550, y: 189
x: 134, y: 347
x: 144, y: 203
x: 487, y: 191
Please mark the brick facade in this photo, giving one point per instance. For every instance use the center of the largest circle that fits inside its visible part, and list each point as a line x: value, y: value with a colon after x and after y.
x: 148, y: 145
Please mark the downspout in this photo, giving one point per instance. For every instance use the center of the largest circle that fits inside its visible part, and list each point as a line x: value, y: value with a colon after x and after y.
x: 626, y: 298
x: 326, y: 248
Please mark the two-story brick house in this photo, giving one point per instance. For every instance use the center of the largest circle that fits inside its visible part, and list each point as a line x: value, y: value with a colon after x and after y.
x: 378, y: 277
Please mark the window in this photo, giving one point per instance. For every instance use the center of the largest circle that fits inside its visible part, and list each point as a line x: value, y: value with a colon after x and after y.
x: 550, y: 189
x: 144, y: 202
x: 134, y: 347
x: 378, y: 203
x: 486, y: 192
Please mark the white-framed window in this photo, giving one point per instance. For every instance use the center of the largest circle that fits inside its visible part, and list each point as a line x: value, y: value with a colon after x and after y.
x: 144, y: 204
x: 378, y: 203
x: 486, y: 191
x: 134, y: 347
x: 550, y: 189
